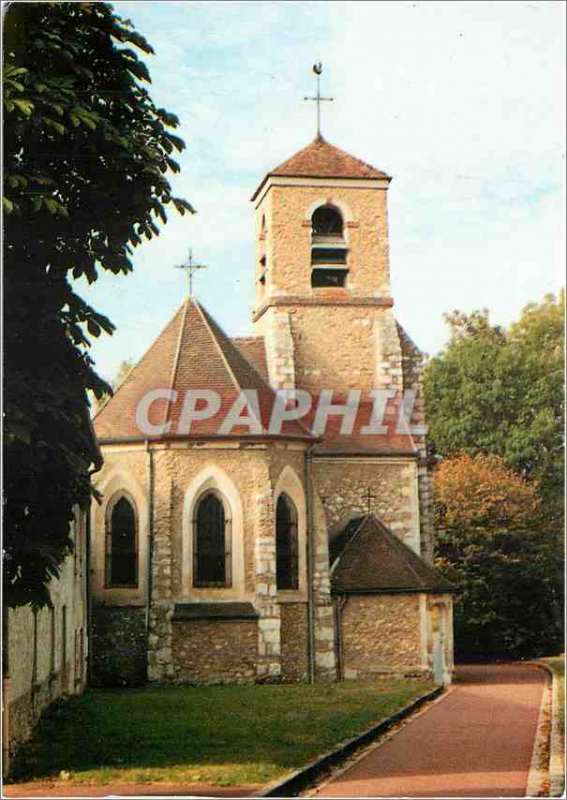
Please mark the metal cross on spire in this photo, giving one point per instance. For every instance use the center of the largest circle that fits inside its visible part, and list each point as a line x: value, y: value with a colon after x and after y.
x: 190, y: 268
x: 318, y: 69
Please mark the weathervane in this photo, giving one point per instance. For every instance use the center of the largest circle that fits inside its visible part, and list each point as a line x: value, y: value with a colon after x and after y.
x: 318, y: 69
x: 190, y: 268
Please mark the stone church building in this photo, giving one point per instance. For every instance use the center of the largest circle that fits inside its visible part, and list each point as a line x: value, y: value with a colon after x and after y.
x: 226, y: 548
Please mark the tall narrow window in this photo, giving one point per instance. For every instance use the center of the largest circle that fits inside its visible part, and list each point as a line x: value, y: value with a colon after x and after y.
x: 211, y: 545
x: 121, y: 546
x: 328, y: 248
x: 286, y: 544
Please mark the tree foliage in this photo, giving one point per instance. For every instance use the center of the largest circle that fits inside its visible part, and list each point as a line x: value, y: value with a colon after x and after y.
x: 87, y: 155
x: 490, y: 544
x: 483, y: 492
x: 495, y: 404
x: 501, y: 391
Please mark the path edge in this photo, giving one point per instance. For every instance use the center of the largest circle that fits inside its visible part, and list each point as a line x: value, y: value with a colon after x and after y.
x: 556, y: 764
x: 294, y: 783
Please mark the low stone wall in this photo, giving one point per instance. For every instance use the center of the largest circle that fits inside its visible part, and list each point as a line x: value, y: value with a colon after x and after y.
x: 215, y: 651
x: 381, y: 634
x: 294, y: 642
x: 118, y: 642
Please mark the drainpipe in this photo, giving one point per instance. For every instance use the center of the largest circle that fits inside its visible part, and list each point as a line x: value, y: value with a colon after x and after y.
x: 5, y: 692
x: 150, y: 490
x: 310, y: 559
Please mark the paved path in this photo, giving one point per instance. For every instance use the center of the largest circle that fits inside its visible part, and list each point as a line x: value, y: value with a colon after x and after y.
x: 475, y: 742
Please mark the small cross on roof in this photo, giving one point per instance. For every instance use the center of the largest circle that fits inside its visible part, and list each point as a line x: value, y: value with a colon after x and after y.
x: 190, y: 267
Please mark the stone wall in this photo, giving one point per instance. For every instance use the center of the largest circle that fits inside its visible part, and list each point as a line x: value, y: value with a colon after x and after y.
x: 215, y: 651
x: 276, y: 329
x: 335, y: 347
x: 325, y: 657
x: 294, y: 642
x: 343, y: 483
x: 47, y: 649
x: 382, y: 634
x: 413, y: 363
x: 298, y: 321
x: 287, y: 244
x: 118, y: 645
x: 249, y: 476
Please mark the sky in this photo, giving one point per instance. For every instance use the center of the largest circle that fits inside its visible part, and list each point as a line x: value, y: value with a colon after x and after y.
x: 461, y: 102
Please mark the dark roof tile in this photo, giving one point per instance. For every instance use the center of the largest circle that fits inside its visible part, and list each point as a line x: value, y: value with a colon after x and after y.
x: 366, y: 557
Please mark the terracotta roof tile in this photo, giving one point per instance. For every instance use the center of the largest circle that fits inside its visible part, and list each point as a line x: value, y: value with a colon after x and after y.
x: 253, y: 348
x: 395, y: 439
x: 320, y: 159
x: 367, y: 557
x: 192, y: 352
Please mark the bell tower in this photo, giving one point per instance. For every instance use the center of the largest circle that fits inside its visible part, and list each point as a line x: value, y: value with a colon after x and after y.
x: 323, y: 299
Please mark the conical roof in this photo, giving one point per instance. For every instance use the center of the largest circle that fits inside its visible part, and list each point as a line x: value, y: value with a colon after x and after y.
x: 191, y: 353
x: 320, y: 159
x: 366, y: 557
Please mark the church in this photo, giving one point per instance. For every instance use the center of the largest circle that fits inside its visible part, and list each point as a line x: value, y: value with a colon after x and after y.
x: 242, y: 537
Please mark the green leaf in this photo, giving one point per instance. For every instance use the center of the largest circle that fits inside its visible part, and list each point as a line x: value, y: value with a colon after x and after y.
x: 25, y: 106
x: 56, y: 125
x: 182, y: 206
x: 52, y: 205
x: 93, y: 328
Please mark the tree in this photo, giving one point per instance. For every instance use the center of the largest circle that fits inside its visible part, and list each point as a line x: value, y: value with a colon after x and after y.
x: 125, y: 366
x: 501, y: 392
x: 87, y: 158
x: 490, y: 544
x: 497, y: 392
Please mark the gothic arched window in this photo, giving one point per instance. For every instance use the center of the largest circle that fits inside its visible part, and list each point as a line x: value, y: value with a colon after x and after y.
x: 328, y: 248
x: 211, y: 544
x: 122, y: 545
x: 286, y: 544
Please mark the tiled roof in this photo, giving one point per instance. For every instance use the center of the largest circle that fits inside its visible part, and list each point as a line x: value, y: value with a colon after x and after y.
x: 192, y: 352
x: 395, y: 439
x: 254, y: 349
x: 323, y: 160
x: 367, y: 557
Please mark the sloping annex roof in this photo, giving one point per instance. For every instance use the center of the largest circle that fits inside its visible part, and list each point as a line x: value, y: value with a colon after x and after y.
x: 366, y: 557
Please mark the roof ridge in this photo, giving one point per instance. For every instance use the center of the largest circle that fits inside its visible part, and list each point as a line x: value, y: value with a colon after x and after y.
x: 135, y: 366
x: 203, y: 313
x: 174, y: 369
x: 354, y: 536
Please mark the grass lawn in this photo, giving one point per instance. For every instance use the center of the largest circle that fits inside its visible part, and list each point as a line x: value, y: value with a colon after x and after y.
x: 223, y: 735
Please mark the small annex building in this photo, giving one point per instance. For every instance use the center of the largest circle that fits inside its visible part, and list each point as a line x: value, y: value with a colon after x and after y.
x: 227, y: 549
x: 402, y: 597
